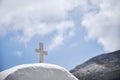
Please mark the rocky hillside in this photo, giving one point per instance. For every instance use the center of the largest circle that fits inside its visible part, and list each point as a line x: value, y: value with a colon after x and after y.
x: 102, y: 67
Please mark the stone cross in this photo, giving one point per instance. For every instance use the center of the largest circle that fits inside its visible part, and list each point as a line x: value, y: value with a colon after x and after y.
x: 42, y: 52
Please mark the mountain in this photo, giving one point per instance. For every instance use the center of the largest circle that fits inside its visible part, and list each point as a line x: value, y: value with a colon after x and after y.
x: 39, y: 71
x: 102, y: 67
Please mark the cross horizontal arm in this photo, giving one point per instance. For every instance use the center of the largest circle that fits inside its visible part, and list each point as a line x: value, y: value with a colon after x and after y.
x: 37, y: 50
x: 45, y: 52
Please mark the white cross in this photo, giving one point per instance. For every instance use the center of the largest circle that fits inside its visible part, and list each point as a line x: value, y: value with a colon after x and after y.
x: 42, y: 52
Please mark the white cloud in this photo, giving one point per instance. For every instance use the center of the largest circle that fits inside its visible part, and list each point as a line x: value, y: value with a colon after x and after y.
x: 57, y: 41
x: 19, y: 53
x: 28, y: 18
x: 104, y: 24
x: 63, y: 30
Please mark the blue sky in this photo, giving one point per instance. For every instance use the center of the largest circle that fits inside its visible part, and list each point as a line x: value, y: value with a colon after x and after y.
x: 72, y: 31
